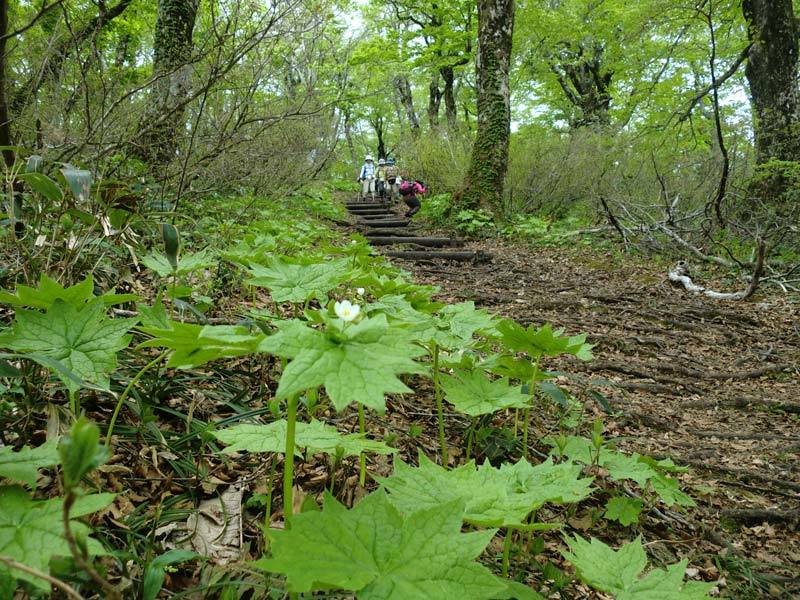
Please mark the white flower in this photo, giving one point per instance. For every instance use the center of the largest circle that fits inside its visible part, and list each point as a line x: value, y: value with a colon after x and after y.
x: 360, y: 291
x: 346, y: 311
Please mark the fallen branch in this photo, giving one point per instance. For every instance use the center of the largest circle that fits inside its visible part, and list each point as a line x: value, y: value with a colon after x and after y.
x: 756, y: 516
x: 680, y: 274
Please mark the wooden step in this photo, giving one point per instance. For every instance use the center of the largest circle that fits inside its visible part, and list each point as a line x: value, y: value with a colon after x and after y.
x: 396, y: 232
x: 365, y: 205
x: 372, y: 213
x: 419, y: 241
x: 462, y: 256
x: 384, y: 223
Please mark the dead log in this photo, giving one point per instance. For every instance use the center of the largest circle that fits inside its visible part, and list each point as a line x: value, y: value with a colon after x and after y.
x: 420, y: 241
x: 477, y: 256
x: 756, y: 516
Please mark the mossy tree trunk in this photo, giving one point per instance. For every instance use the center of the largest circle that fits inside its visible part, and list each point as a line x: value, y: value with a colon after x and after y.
x: 5, y: 119
x: 172, y: 55
x: 483, y: 185
x: 772, y: 71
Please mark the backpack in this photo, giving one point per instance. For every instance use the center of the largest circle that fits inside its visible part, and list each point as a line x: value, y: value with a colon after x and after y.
x: 407, y: 188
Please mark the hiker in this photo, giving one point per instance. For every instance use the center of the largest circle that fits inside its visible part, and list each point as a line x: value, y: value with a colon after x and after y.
x: 367, y: 178
x: 380, y: 179
x: 409, y: 191
x: 392, y: 179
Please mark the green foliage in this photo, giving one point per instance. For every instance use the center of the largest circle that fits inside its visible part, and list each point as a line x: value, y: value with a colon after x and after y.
x: 40, y: 521
x: 473, y: 394
x: 355, y: 363
x: 169, y: 264
x: 543, y: 341
x: 617, y: 572
x: 296, y: 281
x: 377, y: 552
x: 642, y: 469
x: 80, y: 452
x: 493, y: 497
x: 623, y: 509
x: 85, y: 340
x: 314, y: 436
x: 50, y: 290
x: 25, y: 464
x: 155, y: 571
x: 474, y: 222
x: 193, y: 345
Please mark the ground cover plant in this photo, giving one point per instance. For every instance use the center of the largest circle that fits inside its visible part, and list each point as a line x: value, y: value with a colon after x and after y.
x: 305, y: 339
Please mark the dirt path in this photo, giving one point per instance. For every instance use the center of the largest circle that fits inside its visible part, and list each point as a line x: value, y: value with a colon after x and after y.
x: 713, y: 385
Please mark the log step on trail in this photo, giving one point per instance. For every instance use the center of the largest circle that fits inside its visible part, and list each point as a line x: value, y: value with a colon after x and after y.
x: 433, y: 242
x: 463, y: 255
x: 386, y: 223
x: 396, y: 232
x: 384, y: 227
x: 365, y: 205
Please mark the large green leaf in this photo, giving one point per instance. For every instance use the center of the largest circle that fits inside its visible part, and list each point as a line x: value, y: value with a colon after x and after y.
x: 358, y: 363
x: 289, y: 281
x: 42, y: 184
x: 25, y: 464
x: 50, y: 290
x: 617, y: 572
x: 32, y: 531
x: 464, y: 320
x: 493, y: 497
x: 314, y: 436
x: 543, y: 341
x: 379, y: 554
x: 84, y: 341
x: 162, y: 264
x: 474, y: 394
x: 641, y: 469
x: 193, y: 345
x: 623, y: 509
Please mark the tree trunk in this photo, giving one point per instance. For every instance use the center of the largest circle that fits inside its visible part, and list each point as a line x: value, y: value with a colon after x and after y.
x: 5, y: 120
x: 348, y: 136
x: 448, y: 75
x: 166, y: 106
x: 407, y: 100
x: 378, y: 125
x: 772, y: 71
x: 434, y: 101
x: 483, y: 185
x: 586, y: 81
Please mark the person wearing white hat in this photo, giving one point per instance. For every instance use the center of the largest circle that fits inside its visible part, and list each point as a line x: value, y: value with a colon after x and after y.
x: 367, y: 178
x: 380, y: 179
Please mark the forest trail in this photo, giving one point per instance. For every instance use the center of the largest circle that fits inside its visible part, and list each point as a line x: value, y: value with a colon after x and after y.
x: 713, y: 385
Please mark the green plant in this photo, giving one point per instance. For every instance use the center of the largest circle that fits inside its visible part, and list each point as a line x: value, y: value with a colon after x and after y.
x: 474, y: 222
x: 617, y: 572
x: 378, y: 552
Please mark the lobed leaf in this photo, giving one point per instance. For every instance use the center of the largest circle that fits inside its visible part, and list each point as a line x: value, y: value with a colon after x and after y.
x: 84, y: 341
x: 357, y: 364
x: 32, y: 531
x: 314, y: 436
x: 380, y: 554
